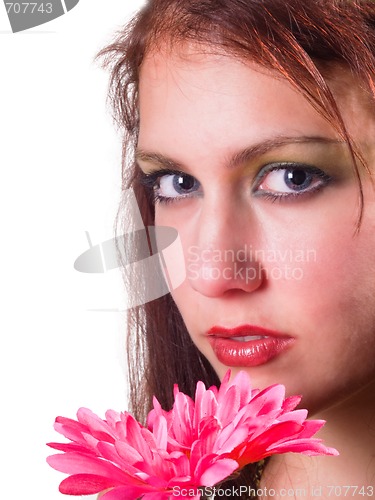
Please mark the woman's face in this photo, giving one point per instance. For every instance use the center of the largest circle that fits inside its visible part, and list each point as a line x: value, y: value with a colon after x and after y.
x: 262, y: 192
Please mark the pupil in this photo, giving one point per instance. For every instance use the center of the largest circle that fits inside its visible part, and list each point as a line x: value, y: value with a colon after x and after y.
x: 184, y: 182
x: 296, y: 177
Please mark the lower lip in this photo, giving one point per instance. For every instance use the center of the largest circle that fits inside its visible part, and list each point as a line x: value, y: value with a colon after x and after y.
x: 251, y: 353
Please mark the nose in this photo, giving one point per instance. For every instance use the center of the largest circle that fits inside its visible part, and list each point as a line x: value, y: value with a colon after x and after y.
x: 224, y: 255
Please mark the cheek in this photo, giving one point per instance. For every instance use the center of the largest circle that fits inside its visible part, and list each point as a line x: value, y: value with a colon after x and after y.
x: 331, y: 266
x: 340, y: 279
x: 334, y: 308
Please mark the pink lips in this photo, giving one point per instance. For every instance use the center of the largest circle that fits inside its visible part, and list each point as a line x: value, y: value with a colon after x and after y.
x: 247, y: 345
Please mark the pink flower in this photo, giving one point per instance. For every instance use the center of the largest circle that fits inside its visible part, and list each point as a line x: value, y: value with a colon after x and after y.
x: 243, y: 424
x: 120, y: 454
x: 196, y: 444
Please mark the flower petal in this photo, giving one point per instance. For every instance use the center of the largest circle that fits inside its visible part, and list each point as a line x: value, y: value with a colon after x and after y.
x: 215, y: 471
x: 75, y: 463
x: 268, y: 400
x: 128, y: 493
x: 310, y: 447
x: 98, y: 427
x: 72, y: 447
x: 85, y: 484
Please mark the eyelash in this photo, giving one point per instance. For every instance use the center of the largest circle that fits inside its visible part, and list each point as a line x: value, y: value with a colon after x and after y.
x: 151, y: 180
x: 166, y: 200
x: 280, y: 197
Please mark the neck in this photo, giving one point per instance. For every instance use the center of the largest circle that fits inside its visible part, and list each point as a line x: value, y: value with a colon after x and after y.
x: 350, y: 428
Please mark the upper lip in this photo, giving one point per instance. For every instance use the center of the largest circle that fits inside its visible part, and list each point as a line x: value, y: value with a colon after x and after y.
x: 243, y: 331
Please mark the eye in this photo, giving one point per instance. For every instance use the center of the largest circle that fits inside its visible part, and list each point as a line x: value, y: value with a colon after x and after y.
x: 170, y: 186
x: 282, y: 180
x: 174, y: 185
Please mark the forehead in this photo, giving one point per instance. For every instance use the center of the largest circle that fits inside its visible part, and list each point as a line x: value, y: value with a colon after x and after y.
x: 193, y: 86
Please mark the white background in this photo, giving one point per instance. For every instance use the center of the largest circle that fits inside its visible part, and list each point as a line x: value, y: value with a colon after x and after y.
x: 60, y: 176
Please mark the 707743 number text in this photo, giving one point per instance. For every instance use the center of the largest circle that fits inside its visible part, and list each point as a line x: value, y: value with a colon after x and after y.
x: 31, y: 7
x: 350, y: 491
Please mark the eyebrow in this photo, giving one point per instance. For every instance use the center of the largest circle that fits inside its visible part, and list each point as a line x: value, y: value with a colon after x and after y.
x: 240, y: 158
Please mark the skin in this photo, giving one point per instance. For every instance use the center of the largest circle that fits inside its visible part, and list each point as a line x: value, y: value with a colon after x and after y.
x: 199, y: 110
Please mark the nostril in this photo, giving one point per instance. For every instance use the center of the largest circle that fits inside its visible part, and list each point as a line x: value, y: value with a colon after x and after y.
x: 215, y: 278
